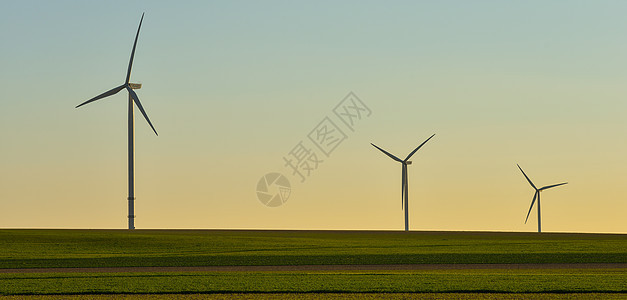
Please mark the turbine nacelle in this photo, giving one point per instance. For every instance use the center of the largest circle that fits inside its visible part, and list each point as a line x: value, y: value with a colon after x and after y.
x: 408, y: 162
x: 135, y: 86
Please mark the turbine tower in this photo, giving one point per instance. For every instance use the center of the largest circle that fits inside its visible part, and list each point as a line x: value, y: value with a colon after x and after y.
x: 537, y: 195
x: 132, y: 100
x: 404, y: 185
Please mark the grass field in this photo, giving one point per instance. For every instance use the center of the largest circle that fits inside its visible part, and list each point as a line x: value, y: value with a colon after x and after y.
x: 121, y: 248
x: 331, y: 296
x: 440, y: 281
x: 118, y: 248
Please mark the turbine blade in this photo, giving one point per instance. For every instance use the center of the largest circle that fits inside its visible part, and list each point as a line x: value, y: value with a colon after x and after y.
x: 108, y: 93
x: 533, y: 185
x: 552, y: 186
x: 403, y: 186
x: 139, y: 105
x: 412, y: 153
x: 530, y: 207
x: 387, y: 153
x: 130, y: 63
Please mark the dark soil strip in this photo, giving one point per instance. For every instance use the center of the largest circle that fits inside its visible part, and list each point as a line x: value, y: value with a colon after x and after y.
x: 322, y: 268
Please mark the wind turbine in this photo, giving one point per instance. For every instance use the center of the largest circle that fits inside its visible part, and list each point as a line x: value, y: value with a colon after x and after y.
x: 132, y: 98
x: 404, y: 185
x: 537, y: 195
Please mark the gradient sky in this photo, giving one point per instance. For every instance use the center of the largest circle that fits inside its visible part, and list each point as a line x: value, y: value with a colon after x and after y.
x: 233, y: 86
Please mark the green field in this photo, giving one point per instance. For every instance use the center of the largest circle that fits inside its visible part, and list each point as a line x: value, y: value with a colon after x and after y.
x: 141, y: 248
x: 439, y: 281
x: 119, y: 248
x: 330, y: 296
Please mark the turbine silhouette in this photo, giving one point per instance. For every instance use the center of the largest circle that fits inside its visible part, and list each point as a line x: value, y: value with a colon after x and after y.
x: 404, y: 185
x: 537, y: 195
x: 132, y: 99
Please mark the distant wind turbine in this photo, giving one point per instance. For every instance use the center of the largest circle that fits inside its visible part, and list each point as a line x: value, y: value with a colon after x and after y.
x: 132, y: 98
x: 404, y: 185
x: 537, y: 195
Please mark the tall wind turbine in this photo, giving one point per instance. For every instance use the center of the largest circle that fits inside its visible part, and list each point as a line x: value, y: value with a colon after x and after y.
x: 537, y: 195
x: 132, y: 98
x: 404, y: 185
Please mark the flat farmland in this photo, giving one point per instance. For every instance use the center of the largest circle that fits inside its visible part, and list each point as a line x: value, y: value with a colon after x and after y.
x: 258, y: 263
x: 181, y: 248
